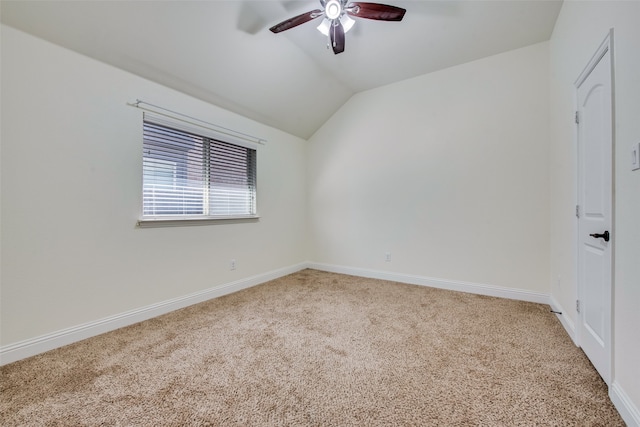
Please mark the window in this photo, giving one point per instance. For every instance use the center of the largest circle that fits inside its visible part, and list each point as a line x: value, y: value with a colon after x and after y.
x: 190, y: 173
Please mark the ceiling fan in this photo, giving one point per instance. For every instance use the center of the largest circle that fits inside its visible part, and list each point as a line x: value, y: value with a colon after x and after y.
x: 337, y: 18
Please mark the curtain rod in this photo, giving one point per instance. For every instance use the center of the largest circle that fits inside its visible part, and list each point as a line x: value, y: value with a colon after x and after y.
x: 183, y: 117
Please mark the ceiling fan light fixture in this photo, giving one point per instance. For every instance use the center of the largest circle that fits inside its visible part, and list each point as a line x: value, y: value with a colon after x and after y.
x: 324, y: 27
x: 347, y: 22
x: 333, y: 9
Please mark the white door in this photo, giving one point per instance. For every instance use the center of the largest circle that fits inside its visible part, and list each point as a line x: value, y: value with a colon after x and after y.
x: 595, y: 237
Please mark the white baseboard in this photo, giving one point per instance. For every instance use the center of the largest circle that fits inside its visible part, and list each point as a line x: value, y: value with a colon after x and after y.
x: 565, y: 320
x: 31, y: 347
x: 452, y: 285
x: 627, y: 410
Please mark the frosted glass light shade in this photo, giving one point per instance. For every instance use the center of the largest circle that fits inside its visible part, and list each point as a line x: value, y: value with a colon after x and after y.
x: 346, y: 22
x: 324, y: 27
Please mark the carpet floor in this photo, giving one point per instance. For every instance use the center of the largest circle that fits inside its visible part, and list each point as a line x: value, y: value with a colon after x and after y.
x: 319, y: 349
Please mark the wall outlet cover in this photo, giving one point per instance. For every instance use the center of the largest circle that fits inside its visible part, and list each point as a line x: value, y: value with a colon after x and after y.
x: 635, y: 157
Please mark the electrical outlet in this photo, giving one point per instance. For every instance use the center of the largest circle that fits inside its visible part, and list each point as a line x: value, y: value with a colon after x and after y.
x: 387, y: 256
x: 232, y: 264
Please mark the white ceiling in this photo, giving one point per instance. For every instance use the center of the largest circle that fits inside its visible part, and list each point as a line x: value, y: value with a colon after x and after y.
x: 222, y: 51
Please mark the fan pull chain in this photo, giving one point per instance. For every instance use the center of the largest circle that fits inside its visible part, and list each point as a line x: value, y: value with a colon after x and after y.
x: 333, y: 27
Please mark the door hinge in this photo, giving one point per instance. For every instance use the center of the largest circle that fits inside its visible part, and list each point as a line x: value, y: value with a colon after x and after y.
x: 578, y: 305
x: 577, y: 118
x: 577, y: 211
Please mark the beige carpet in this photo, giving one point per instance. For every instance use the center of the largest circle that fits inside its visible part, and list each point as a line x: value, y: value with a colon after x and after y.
x: 319, y: 349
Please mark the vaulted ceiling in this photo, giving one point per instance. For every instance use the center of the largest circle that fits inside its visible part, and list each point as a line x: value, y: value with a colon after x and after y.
x: 223, y: 52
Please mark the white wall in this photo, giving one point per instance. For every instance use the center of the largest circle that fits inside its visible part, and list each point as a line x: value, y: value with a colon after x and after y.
x: 71, y: 195
x: 447, y: 171
x: 580, y: 29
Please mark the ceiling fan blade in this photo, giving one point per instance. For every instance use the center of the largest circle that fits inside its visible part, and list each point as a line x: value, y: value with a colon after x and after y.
x: 296, y: 20
x: 337, y: 37
x: 378, y: 11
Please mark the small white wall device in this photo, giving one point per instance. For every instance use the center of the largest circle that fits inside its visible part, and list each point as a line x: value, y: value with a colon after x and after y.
x: 635, y: 157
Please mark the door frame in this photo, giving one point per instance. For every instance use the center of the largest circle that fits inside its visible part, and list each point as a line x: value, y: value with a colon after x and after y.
x: 605, y: 46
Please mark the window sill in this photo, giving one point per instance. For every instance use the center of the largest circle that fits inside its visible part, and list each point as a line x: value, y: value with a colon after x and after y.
x: 189, y: 221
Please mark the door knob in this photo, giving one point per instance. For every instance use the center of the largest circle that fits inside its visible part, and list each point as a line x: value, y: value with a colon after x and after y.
x: 604, y: 236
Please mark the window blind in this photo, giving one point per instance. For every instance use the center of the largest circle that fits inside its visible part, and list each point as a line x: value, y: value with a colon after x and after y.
x: 188, y: 174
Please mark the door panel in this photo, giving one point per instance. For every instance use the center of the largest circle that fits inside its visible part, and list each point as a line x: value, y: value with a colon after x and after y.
x: 595, y: 139
x: 594, y: 131
x: 593, y: 310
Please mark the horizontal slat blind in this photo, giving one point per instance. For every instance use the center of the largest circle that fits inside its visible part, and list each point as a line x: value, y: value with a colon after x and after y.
x: 233, y: 179
x: 186, y: 174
